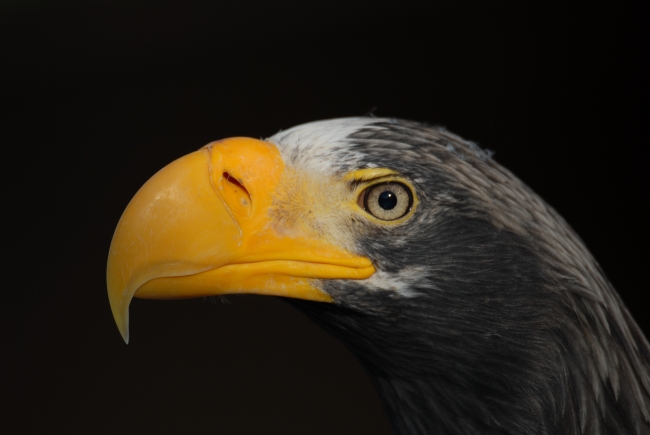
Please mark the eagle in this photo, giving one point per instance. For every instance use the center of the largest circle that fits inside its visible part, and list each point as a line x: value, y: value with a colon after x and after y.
x: 471, y: 303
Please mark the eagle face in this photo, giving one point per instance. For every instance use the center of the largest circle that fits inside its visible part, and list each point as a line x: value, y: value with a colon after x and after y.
x: 472, y: 304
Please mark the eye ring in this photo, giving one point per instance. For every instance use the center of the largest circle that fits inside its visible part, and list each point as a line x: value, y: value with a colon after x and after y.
x: 387, y: 201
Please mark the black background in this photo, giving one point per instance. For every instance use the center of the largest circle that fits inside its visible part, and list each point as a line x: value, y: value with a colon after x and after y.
x: 102, y: 94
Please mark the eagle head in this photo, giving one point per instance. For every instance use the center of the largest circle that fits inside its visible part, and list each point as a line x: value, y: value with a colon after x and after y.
x: 472, y: 304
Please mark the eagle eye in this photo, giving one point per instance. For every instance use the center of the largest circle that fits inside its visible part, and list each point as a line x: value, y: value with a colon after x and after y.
x: 387, y: 201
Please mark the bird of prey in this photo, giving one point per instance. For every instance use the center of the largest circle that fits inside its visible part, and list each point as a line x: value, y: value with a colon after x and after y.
x: 472, y: 304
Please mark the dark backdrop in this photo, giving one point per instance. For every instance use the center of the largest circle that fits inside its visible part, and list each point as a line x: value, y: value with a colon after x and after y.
x: 102, y: 94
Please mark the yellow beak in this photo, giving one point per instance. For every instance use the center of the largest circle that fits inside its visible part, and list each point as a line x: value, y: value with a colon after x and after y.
x: 201, y: 227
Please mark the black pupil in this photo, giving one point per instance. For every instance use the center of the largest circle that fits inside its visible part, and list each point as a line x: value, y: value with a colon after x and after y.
x: 387, y: 200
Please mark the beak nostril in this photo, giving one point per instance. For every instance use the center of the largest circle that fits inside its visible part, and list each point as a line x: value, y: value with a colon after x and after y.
x: 236, y: 195
x: 234, y: 181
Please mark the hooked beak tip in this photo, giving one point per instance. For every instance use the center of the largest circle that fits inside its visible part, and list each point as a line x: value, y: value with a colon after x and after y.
x: 121, y: 317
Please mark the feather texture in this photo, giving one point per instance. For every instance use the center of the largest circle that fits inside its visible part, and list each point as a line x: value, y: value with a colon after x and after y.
x: 487, y: 313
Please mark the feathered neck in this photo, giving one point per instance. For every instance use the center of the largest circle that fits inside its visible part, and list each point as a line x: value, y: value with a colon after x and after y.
x: 494, y: 341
